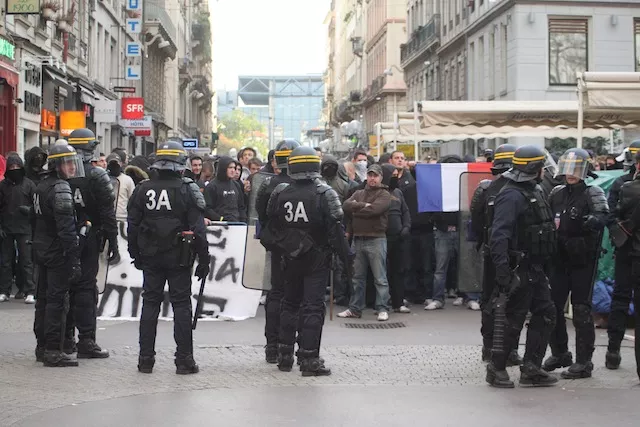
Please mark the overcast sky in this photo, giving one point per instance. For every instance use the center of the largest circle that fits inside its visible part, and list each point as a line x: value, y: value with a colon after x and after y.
x: 264, y: 37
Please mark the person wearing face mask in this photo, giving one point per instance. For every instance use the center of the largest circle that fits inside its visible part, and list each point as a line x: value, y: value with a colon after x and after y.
x: 522, y: 241
x: 336, y: 177
x: 361, y: 163
x: 580, y: 214
x: 15, y: 230
x: 123, y: 185
x: 34, y: 160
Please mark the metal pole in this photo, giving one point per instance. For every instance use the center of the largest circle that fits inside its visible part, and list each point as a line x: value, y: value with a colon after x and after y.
x: 379, y: 137
x: 416, y: 146
x: 580, y: 114
x: 396, y: 121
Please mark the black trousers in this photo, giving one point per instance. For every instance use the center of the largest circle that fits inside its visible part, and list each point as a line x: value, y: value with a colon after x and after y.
x: 635, y: 270
x: 577, y: 279
x: 52, y: 304
x: 179, y: 279
x: 396, y: 269
x: 274, y: 300
x: 532, y: 295
x: 488, y: 287
x: 24, y: 270
x: 304, y: 288
x: 84, y: 293
x: 421, y: 259
x: 622, y: 292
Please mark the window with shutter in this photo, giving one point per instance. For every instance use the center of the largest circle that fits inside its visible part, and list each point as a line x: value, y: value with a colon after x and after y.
x: 568, y: 49
x: 636, y: 36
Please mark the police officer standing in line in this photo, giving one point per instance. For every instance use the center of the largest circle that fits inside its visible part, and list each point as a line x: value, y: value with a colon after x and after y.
x: 306, y: 222
x: 623, y: 287
x: 94, y: 204
x: 57, y: 254
x: 484, y: 195
x: 274, y: 297
x: 165, y: 228
x: 580, y: 213
x: 521, y: 240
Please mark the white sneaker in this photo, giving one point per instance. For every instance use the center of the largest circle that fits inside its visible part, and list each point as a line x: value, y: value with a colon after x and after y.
x: 435, y: 305
x: 458, y: 301
x: 473, y: 305
x: 4, y: 297
x: 402, y: 309
x: 348, y: 314
x: 263, y: 300
x: 428, y: 301
x: 383, y: 316
x: 29, y: 299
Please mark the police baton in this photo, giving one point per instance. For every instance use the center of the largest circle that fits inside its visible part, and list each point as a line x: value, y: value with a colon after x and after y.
x: 332, y: 269
x: 198, y: 304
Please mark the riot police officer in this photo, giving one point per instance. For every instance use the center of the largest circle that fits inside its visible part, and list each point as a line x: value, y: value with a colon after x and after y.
x: 274, y: 297
x: 165, y: 227
x: 305, y: 221
x: 94, y: 203
x: 580, y: 213
x: 521, y: 241
x: 622, y: 288
x: 57, y: 253
x: 483, y: 198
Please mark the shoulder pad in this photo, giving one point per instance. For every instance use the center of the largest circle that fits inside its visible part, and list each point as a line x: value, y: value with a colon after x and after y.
x: 485, y: 183
x: 333, y: 203
x: 63, y: 200
x: 194, y: 193
x: 556, y: 190
x: 322, y: 187
x: 280, y: 187
x: 597, y: 199
x: 99, y: 174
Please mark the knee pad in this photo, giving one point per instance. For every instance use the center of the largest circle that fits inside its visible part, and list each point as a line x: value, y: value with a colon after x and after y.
x: 581, y: 315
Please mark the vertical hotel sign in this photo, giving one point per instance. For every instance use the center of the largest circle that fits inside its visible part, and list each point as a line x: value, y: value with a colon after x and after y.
x: 133, y: 50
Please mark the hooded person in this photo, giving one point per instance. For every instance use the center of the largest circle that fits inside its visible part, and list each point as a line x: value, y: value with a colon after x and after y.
x: 34, y: 161
x: 224, y: 195
x: 138, y: 169
x: 336, y: 177
x: 15, y: 230
x: 123, y: 185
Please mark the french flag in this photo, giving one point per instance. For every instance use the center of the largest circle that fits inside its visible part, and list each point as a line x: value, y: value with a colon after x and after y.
x: 439, y: 184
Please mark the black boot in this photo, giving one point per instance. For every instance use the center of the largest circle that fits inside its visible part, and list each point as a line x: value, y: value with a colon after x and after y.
x: 312, y: 365
x: 285, y: 357
x: 612, y: 359
x: 558, y: 361
x: 498, y: 379
x: 39, y: 354
x: 514, y: 359
x: 145, y: 364
x: 577, y: 371
x: 69, y: 347
x: 186, y: 365
x: 58, y: 359
x: 271, y: 353
x: 486, y: 354
x: 88, y: 349
x: 532, y: 376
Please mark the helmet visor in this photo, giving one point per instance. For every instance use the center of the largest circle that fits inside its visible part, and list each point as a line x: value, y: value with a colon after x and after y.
x: 70, y: 167
x: 550, y: 164
x: 573, y: 165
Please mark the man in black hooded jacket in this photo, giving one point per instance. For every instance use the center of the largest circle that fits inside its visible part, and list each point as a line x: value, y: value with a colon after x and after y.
x: 34, y: 160
x: 224, y: 195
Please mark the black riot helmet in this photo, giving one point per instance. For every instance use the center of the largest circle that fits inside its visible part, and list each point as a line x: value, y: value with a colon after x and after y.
x: 170, y: 156
x: 528, y: 161
x: 503, y: 158
x: 304, y: 163
x: 630, y: 154
x: 85, y: 143
x: 283, y: 150
x: 574, y: 162
x: 64, y: 160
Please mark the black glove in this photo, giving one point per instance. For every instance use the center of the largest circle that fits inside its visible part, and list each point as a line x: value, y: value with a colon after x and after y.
x: 405, y: 232
x: 592, y: 223
x: 112, y: 251
x: 137, y: 264
x: 76, y: 271
x: 202, y: 270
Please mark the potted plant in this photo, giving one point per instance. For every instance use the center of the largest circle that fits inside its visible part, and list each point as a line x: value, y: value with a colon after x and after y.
x: 49, y: 9
x: 65, y: 22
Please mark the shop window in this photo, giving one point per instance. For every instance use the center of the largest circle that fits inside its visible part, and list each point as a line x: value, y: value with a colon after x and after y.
x: 568, y: 51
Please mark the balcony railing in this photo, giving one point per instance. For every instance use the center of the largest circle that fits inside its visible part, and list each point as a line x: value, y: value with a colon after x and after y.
x: 156, y: 13
x: 421, y: 39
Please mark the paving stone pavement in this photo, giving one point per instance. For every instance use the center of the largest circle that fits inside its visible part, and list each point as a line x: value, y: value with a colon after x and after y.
x: 26, y: 387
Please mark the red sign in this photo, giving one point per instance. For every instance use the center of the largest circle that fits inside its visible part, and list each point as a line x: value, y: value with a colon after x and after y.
x: 132, y: 108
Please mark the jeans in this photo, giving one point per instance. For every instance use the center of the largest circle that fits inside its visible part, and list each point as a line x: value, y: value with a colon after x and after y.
x: 446, y: 250
x: 370, y: 252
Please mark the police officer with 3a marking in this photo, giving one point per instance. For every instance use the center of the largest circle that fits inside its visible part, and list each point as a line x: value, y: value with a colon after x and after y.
x: 165, y: 228
x: 306, y: 222
x: 94, y: 203
x: 56, y: 253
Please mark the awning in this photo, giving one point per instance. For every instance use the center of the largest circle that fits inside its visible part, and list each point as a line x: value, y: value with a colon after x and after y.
x: 87, y: 96
x: 59, y: 79
x: 10, y: 74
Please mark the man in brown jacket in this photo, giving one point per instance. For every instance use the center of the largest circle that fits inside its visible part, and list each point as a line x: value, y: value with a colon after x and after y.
x: 369, y: 209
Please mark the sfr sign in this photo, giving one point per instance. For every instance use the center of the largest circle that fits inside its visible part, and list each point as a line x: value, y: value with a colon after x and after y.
x: 132, y: 108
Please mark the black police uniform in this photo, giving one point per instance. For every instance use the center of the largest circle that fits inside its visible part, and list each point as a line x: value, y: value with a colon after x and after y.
x: 274, y: 297
x: 306, y: 216
x: 482, y: 201
x: 522, y: 239
x: 623, y: 287
x: 57, y: 256
x: 94, y: 203
x: 580, y: 213
x: 629, y: 213
x: 159, y: 212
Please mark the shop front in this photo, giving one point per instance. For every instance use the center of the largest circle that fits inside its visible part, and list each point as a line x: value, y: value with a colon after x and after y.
x: 58, y: 95
x: 9, y: 80
x: 29, y: 111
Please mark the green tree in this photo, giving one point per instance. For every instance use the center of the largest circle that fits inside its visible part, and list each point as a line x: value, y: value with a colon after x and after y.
x: 559, y: 145
x: 238, y: 129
